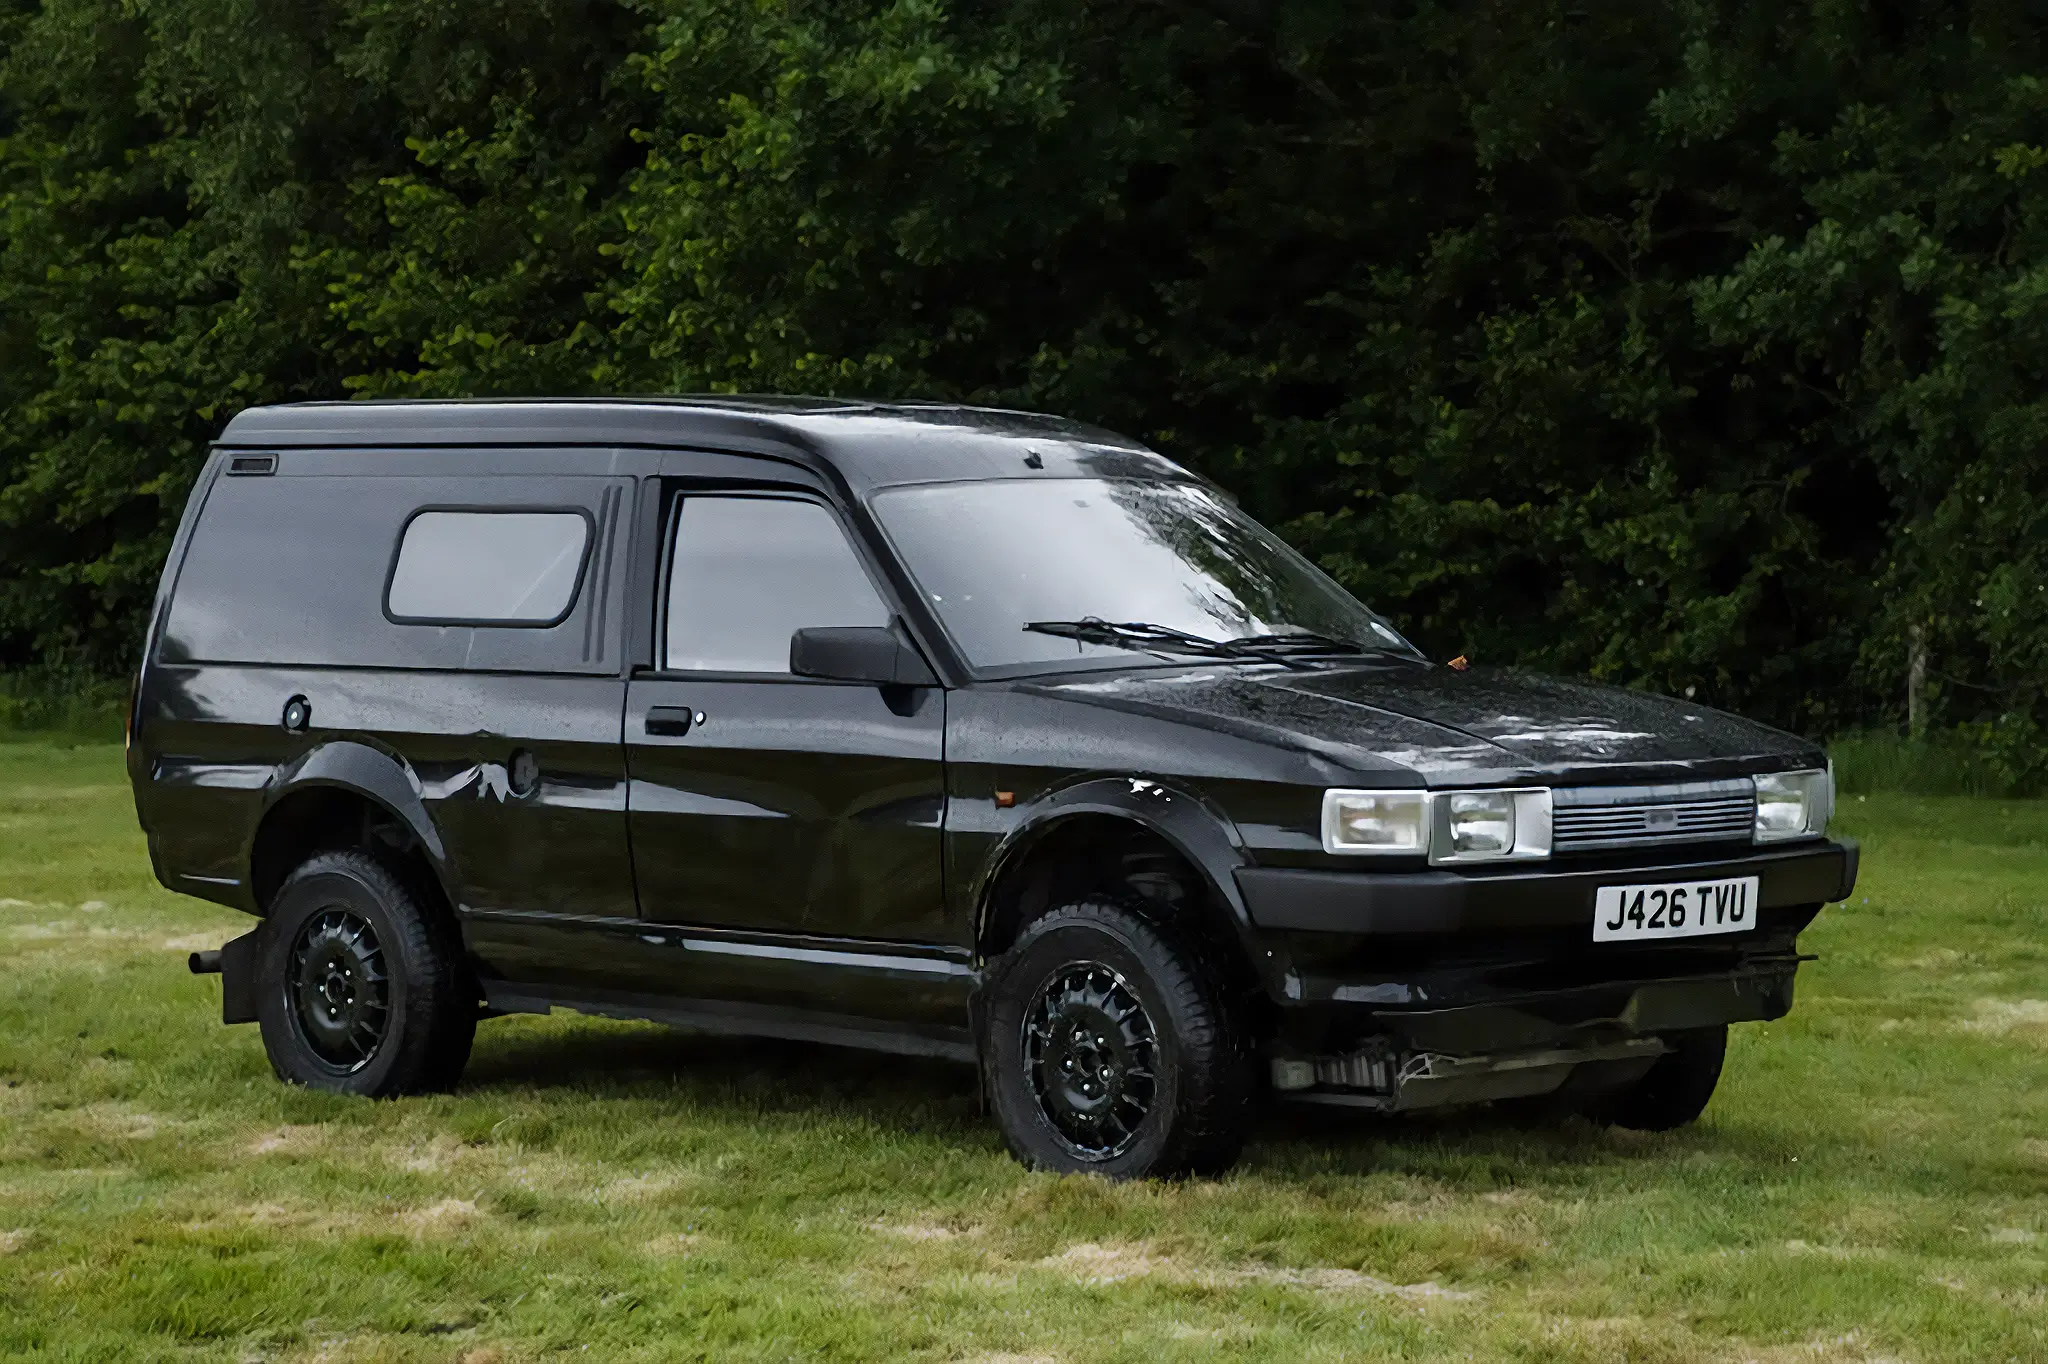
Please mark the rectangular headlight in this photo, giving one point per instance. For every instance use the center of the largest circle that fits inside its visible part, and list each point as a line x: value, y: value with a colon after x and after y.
x: 1793, y: 804
x: 1481, y: 823
x: 1447, y: 826
x: 1390, y: 823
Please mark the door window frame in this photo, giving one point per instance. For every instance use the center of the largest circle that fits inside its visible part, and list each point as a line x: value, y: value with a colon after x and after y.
x: 671, y: 526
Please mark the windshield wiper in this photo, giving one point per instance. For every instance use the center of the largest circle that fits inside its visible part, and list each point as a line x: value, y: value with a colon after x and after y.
x: 1308, y: 641
x: 1149, y: 638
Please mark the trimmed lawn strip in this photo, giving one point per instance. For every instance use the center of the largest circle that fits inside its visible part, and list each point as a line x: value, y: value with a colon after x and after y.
x: 1870, y: 1183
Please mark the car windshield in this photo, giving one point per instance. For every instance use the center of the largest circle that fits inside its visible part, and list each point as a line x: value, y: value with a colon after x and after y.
x: 1073, y: 559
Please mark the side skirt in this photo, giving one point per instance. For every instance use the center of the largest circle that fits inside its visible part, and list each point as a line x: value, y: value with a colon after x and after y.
x: 735, y: 1019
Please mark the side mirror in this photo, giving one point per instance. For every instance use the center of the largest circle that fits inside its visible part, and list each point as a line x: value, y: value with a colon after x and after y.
x: 859, y: 653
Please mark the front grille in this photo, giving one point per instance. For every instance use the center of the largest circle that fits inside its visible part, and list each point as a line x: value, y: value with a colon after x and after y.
x: 1589, y: 818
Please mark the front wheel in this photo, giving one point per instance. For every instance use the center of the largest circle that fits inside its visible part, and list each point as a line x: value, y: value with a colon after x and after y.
x: 359, y: 991
x: 1108, y: 1049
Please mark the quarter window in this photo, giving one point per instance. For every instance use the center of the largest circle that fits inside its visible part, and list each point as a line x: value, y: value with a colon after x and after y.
x: 746, y: 573
x: 488, y: 567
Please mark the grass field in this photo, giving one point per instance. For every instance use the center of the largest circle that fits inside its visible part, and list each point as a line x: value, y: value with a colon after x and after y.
x: 1870, y: 1183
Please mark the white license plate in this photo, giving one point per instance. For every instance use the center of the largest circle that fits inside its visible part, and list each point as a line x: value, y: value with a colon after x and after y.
x: 1678, y: 909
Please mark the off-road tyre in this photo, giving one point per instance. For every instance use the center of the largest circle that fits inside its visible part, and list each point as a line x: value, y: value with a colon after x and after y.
x: 1090, y: 960
x: 360, y: 990
x: 1674, y: 1090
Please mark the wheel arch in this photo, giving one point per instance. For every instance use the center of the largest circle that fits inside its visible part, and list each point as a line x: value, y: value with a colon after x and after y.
x: 348, y: 794
x: 1127, y: 818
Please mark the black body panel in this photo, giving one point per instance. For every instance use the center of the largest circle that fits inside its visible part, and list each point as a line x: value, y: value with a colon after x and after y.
x: 793, y: 806
x: 1398, y: 725
x: 833, y: 860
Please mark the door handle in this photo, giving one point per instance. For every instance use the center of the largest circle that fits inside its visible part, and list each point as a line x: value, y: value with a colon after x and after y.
x: 672, y: 721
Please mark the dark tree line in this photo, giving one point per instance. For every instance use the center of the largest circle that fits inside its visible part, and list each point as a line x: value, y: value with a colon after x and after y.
x: 1696, y: 345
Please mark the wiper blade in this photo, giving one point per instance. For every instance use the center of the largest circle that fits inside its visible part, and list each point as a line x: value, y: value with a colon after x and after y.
x: 1307, y: 641
x: 1147, y: 637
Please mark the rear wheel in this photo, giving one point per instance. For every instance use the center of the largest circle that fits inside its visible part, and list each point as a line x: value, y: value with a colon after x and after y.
x: 1107, y: 1048
x: 1674, y: 1090
x: 360, y: 992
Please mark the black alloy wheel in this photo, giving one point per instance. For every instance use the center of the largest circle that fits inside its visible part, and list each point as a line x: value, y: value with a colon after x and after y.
x: 341, y: 997
x: 1108, y: 1047
x: 360, y: 989
x: 1093, y: 1058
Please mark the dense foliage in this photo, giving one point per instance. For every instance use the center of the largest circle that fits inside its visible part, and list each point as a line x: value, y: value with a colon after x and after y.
x: 1693, y: 344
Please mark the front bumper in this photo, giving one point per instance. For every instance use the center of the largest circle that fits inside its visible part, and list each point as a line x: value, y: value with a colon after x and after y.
x: 1471, y: 963
x: 1557, y: 896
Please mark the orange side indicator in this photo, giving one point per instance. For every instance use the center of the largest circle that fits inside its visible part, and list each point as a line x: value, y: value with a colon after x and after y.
x: 1005, y: 799
x: 1459, y: 664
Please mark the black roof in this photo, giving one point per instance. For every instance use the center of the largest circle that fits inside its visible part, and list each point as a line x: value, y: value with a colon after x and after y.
x: 868, y: 443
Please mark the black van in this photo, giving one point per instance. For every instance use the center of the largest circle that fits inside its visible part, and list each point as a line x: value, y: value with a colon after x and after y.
x: 945, y: 731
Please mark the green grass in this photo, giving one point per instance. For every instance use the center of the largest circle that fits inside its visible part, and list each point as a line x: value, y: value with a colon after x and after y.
x: 61, y: 705
x: 1870, y: 1183
x: 1943, y: 764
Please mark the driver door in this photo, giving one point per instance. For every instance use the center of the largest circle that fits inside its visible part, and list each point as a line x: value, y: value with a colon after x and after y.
x: 781, y: 822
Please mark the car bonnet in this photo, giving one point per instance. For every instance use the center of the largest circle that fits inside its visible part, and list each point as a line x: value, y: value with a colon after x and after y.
x: 1456, y: 727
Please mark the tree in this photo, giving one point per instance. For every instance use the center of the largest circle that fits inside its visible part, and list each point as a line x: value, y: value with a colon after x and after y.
x: 1691, y: 345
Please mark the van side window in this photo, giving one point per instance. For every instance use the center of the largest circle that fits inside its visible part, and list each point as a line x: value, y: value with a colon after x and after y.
x: 488, y: 567
x: 746, y: 573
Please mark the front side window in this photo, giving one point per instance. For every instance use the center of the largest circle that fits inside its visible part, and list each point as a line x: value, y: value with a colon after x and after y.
x: 746, y: 573
x: 993, y: 557
x: 488, y: 567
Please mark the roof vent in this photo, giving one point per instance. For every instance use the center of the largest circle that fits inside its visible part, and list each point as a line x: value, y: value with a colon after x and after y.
x: 253, y: 464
